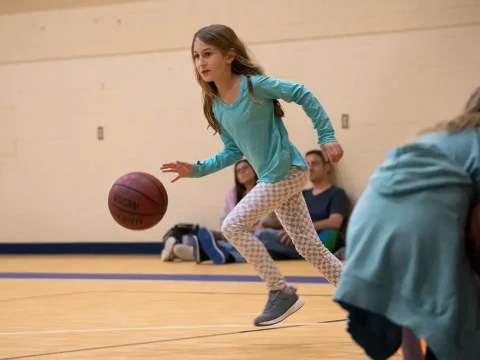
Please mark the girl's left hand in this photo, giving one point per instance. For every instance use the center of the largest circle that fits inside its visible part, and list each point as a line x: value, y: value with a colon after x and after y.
x: 332, y: 152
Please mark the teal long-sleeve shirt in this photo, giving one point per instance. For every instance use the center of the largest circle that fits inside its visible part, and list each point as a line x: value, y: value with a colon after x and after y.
x: 250, y: 129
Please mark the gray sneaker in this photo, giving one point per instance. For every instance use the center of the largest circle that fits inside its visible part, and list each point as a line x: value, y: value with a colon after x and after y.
x: 280, y: 305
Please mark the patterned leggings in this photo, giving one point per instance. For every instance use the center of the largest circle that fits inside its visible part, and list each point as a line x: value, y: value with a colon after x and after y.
x: 286, y: 199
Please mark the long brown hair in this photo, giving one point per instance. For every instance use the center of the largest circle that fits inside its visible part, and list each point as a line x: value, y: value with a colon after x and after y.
x: 225, y: 39
x: 469, y: 118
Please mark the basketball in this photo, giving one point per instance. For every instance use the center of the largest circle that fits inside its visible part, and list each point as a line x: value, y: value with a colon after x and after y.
x: 473, y: 239
x: 137, y: 201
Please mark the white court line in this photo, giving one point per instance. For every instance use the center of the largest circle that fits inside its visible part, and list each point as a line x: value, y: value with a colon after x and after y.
x: 159, y: 328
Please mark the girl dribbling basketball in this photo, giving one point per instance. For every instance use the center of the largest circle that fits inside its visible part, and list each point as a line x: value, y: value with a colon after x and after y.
x: 241, y: 104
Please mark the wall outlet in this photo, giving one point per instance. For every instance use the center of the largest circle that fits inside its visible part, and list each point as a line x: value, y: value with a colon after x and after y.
x: 345, y: 121
x: 100, y: 134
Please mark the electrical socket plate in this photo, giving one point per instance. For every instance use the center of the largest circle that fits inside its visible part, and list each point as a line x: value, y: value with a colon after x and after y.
x: 100, y: 134
x: 345, y: 121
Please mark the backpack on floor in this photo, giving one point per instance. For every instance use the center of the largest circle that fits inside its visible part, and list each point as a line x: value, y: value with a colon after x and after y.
x: 179, y: 230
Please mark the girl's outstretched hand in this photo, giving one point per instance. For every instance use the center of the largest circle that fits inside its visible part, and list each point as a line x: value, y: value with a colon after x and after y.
x: 332, y: 152
x: 182, y: 169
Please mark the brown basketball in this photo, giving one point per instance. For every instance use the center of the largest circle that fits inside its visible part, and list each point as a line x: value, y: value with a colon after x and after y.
x: 138, y: 201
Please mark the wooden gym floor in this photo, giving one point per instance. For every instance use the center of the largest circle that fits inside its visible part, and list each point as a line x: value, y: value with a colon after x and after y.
x: 127, y: 307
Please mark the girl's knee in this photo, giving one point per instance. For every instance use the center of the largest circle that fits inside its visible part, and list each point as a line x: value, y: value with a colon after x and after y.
x: 230, y: 227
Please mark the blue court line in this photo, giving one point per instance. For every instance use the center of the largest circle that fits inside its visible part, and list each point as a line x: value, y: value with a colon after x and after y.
x: 156, y: 277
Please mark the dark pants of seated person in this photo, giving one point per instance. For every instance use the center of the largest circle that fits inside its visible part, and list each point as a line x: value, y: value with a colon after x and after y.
x: 270, y: 239
x: 280, y: 251
x: 277, y: 250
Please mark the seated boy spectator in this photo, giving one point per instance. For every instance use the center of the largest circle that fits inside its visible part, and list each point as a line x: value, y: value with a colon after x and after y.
x: 327, y: 204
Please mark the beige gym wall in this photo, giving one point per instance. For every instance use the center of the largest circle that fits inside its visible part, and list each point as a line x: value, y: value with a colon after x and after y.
x: 394, y: 67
